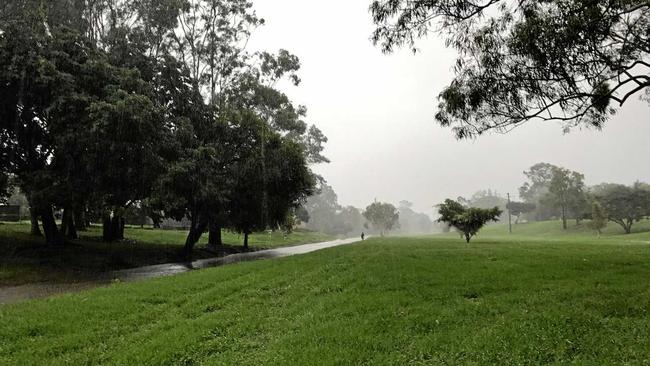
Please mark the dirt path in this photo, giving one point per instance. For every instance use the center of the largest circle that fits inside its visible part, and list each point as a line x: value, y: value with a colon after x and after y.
x: 10, y: 295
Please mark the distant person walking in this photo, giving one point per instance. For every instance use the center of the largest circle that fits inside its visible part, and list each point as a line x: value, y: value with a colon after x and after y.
x: 363, y: 236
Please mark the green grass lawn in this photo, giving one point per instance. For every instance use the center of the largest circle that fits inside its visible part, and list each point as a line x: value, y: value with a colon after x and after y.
x: 551, y: 300
x: 24, y: 259
x: 552, y: 231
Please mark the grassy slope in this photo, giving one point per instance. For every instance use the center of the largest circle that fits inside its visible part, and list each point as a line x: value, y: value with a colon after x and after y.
x: 552, y: 231
x: 23, y: 259
x: 393, y: 301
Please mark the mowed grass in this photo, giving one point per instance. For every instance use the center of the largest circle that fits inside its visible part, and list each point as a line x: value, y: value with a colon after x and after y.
x: 552, y: 230
x: 25, y: 259
x: 389, y: 301
x: 263, y: 240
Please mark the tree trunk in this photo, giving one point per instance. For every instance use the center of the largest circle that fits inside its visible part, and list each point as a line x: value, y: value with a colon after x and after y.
x: 72, y: 228
x: 80, y: 220
x: 156, y: 219
x: 121, y: 226
x: 196, y: 231
x: 52, y: 234
x: 468, y: 238
x: 33, y: 217
x: 64, y: 221
x: 564, y: 223
x: 112, y: 227
x: 215, y: 239
x: 68, y: 228
x: 246, y: 241
x: 107, y: 228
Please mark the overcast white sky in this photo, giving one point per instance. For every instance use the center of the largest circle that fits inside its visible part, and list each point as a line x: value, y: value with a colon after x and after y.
x: 377, y: 111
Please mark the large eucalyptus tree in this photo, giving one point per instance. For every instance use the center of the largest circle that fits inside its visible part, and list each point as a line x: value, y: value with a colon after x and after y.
x: 574, y: 61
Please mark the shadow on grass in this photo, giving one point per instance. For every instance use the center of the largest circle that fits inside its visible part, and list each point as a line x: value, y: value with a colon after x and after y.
x: 25, y: 259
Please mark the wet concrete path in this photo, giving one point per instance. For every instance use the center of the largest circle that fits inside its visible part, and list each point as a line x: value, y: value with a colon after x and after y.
x: 10, y: 295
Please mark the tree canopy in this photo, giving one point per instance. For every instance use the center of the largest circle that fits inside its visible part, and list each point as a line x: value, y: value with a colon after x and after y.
x: 107, y: 106
x: 566, y: 60
x: 624, y: 205
x: 598, y: 217
x: 384, y: 217
x: 566, y: 192
x: 468, y: 220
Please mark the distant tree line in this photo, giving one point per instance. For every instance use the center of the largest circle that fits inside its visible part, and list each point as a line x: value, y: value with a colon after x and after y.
x: 555, y: 192
x: 550, y: 193
x: 486, y: 198
x: 322, y: 212
x: 107, y: 105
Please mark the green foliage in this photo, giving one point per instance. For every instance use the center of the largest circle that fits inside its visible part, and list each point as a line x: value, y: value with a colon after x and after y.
x: 536, y: 188
x: 486, y: 198
x: 270, y: 184
x: 566, y: 60
x: 598, y: 218
x: 384, y: 217
x: 624, y: 205
x: 105, y: 106
x: 468, y: 220
x: 566, y: 192
x: 128, y: 130
x: 326, y: 215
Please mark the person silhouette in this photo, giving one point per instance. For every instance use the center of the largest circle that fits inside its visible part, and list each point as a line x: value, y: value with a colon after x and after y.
x: 363, y: 236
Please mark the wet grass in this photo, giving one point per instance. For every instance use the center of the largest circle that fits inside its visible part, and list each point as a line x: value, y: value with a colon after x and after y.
x: 552, y: 230
x: 392, y: 301
x: 24, y: 259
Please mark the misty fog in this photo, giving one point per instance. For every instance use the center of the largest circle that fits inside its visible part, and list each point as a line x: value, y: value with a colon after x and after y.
x: 377, y: 111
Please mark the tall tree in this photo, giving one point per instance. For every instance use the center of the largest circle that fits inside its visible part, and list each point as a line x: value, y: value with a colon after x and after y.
x: 536, y: 188
x: 568, y: 60
x: 129, y: 129
x: 31, y: 85
x: 281, y: 176
x: 384, y: 217
x: 598, y: 218
x: 323, y: 208
x: 566, y: 192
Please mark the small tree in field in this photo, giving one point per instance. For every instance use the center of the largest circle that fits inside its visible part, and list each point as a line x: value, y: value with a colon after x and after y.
x: 598, y: 218
x: 468, y: 220
x: 383, y: 216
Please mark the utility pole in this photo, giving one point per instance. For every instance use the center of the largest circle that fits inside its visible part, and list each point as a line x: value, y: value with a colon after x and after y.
x: 509, y: 216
